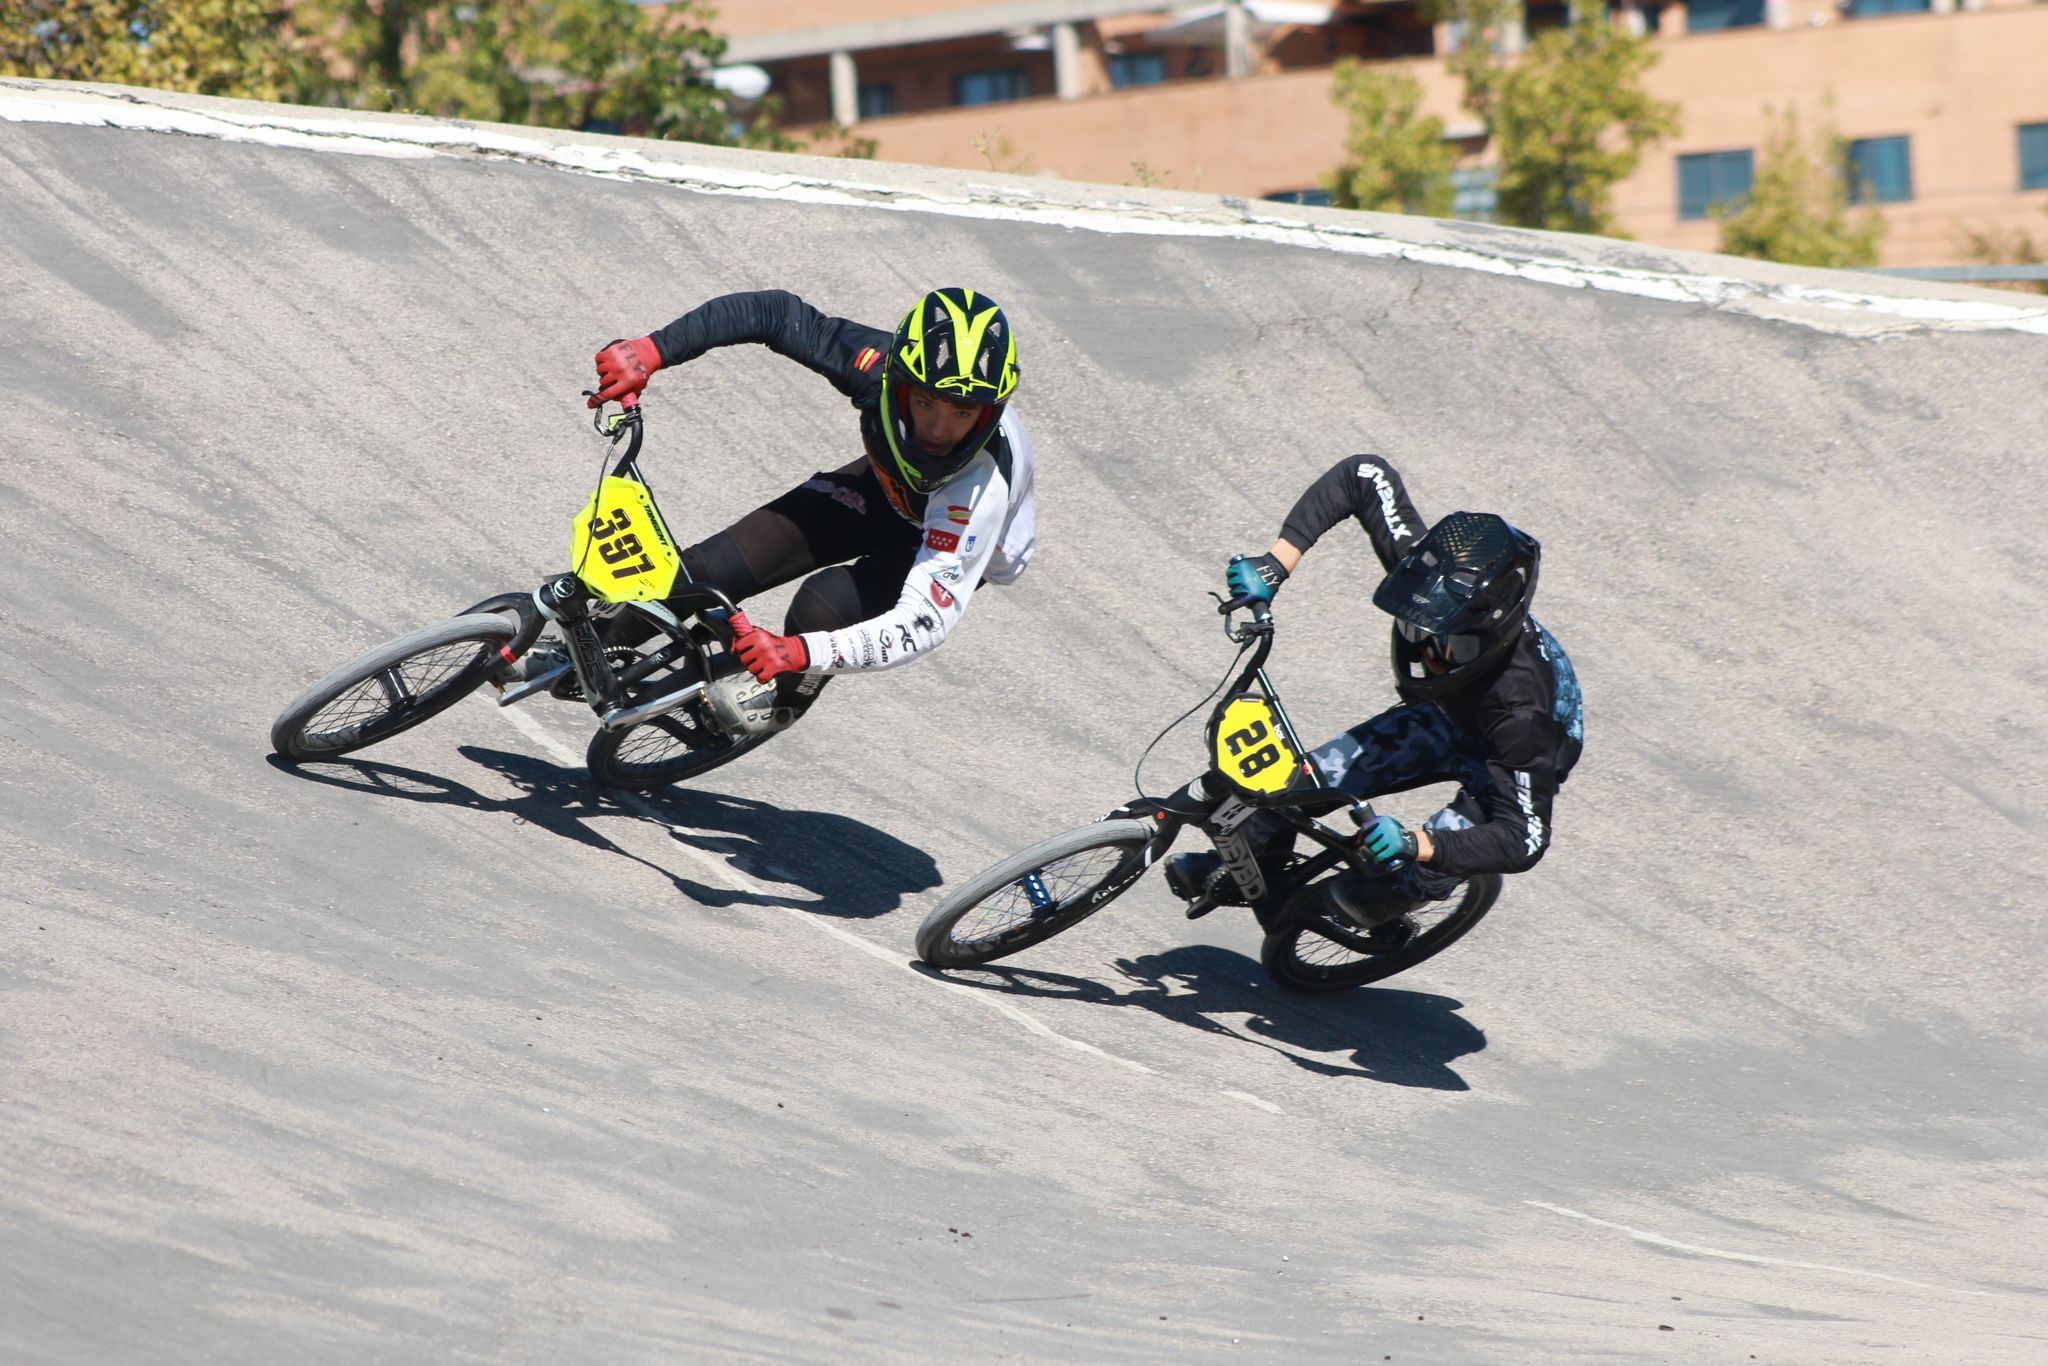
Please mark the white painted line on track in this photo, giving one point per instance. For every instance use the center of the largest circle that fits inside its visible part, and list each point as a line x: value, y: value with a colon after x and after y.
x: 1248, y: 1098
x: 1658, y: 1240
x: 1108, y: 212
x: 734, y: 880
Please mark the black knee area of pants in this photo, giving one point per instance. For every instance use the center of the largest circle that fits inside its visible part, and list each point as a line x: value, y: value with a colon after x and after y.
x: 826, y: 601
x: 717, y: 560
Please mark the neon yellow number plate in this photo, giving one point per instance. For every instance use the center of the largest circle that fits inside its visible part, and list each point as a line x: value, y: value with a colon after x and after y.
x: 1250, y: 749
x: 619, y: 546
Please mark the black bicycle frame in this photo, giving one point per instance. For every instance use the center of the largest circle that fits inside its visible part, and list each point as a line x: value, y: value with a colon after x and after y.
x: 1213, y: 804
x: 567, y: 600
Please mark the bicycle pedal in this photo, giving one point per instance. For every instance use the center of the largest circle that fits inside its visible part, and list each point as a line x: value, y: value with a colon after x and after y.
x: 1202, y: 905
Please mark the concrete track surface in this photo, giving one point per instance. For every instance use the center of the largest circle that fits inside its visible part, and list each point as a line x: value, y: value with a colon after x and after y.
x: 440, y: 1054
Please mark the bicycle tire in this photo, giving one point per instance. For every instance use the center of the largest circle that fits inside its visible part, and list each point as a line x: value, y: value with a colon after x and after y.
x: 1328, y: 968
x: 1020, y: 926
x: 448, y: 661
x: 664, y: 750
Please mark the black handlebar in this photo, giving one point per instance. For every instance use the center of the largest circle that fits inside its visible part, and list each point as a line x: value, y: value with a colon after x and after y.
x: 625, y: 425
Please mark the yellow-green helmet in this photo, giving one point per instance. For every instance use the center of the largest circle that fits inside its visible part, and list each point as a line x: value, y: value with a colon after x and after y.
x: 957, y: 345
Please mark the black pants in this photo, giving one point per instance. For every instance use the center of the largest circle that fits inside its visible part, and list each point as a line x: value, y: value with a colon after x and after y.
x: 837, y: 526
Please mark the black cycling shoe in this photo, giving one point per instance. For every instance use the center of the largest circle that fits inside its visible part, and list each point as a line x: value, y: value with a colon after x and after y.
x: 1193, y: 877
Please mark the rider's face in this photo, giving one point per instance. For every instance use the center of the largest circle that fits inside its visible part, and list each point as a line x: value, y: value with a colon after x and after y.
x: 938, y: 424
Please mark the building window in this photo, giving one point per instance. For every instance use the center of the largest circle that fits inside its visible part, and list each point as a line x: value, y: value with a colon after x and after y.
x: 1866, y: 9
x: 1472, y: 194
x: 991, y: 87
x: 1706, y: 16
x: 876, y: 101
x: 1881, y: 170
x: 1127, y: 69
x: 2034, y: 156
x: 1709, y: 178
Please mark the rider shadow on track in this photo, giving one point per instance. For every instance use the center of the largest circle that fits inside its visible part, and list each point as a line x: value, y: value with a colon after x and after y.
x: 1402, y: 1038
x: 851, y: 870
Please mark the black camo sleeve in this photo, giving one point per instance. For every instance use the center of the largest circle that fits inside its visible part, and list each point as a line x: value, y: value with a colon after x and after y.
x: 1367, y: 488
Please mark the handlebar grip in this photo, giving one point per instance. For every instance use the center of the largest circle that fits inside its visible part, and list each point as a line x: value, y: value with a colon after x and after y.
x: 629, y: 401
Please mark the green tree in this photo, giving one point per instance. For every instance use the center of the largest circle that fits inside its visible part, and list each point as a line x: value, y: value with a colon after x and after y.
x: 1569, y: 120
x: 1482, y: 31
x: 199, y: 47
x: 559, y: 63
x: 1797, y: 209
x: 1399, y: 160
x: 1990, y: 247
x: 556, y: 63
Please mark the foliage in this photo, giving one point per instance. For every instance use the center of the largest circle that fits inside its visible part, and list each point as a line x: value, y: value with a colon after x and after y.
x: 197, y: 47
x: 1483, y: 26
x: 1797, y: 210
x: 2018, y: 248
x: 559, y: 63
x: 609, y: 64
x: 1569, y: 120
x: 1398, y: 159
x: 1001, y: 154
x: 837, y: 140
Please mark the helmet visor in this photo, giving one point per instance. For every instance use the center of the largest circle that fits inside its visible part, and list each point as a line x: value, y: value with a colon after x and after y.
x: 1429, y: 593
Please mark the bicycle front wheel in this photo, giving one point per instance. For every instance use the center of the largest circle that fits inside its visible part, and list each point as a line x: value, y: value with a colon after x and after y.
x: 391, y: 688
x: 664, y: 750
x: 1033, y: 895
x: 1323, y: 951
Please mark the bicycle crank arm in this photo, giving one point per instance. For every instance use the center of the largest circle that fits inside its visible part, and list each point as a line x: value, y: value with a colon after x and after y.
x: 633, y: 716
x: 533, y: 685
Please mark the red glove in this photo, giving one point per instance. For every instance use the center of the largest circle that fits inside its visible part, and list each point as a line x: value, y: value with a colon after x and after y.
x: 766, y: 654
x: 624, y: 368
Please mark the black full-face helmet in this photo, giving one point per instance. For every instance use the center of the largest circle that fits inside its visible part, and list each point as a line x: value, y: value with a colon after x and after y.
x: 1458, y: 600
x: 957, y: 345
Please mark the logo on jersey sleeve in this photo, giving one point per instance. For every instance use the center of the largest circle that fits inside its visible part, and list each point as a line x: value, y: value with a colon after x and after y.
x: 958, y: 515
x: 940, y: 595
x: 945, y: 542
x: 867, y: 358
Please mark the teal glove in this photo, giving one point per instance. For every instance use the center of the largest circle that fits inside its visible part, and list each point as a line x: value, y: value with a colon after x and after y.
x: 1391, y: 844
x: 1254, y: 579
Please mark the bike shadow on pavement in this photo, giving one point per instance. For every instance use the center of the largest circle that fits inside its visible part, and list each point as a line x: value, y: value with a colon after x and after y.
x: 851, y: 870
x: 1401, y: 1038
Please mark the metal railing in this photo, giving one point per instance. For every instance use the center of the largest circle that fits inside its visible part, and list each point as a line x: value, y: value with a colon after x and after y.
x: 1963, y: 274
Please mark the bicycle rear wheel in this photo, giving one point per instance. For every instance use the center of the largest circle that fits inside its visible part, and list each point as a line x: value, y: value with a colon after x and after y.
x: 391, y: 688
x: 1033, y: 895
x: 1321, y: 950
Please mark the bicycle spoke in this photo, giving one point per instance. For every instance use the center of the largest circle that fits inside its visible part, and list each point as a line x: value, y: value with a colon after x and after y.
x: 1041, y: 892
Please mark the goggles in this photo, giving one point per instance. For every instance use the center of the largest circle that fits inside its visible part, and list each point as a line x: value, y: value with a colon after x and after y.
x: 1449, y: 651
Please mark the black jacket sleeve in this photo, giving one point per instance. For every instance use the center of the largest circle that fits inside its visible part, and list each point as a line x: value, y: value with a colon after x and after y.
x: 847, y: 353
x: 1517, y: 803
x: 1361, y: 486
